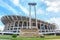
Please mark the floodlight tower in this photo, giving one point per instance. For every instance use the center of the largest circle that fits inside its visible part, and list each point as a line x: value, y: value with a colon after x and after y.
x: 30, y: 5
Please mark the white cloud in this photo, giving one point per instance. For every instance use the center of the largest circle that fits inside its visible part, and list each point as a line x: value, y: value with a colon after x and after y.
x: 17, y: 3
x: 0, y: 16
x: 5, y: 5
x: 53, y: 5
x: 1, y: 27
x: 24, y: 9
x: 56, y: 21
x: 40, y: 11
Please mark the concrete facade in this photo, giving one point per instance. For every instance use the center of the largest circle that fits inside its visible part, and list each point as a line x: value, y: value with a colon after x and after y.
x: 14, y: 23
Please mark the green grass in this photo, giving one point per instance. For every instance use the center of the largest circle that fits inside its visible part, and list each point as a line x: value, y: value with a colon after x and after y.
x: 25, y: 38
x: 5, y: 37
x: 45, y: 38
x: 52, y: 37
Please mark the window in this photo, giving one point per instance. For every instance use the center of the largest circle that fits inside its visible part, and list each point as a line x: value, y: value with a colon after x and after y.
x: 25, y: 24
x: 16, y: 24
x: 20, y: 23
x: 28, y: 23
x: 18, y: 31
x: 15, y: 28
x: 41, y: 24
x: 14, y: 31
x: 49, y: 27
x: 33, y: 24
x: 11, y: 28
x: 42, y: 27
x: 38, y: 26
x: 8, y: 29
x: 45, y: 26
x: 19, y: 28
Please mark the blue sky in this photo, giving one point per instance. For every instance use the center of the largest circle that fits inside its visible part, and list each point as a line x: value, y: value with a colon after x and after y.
x: 47, y: 10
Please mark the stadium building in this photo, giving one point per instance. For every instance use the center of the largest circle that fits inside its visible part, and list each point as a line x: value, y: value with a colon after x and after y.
x: 14, y: 24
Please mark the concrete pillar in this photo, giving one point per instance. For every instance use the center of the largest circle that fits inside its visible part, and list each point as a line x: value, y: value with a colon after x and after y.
x: 18, y: 23
x: 9, y: 26
x: 44, y: 27
x: 47, y: 28
x: 35, y: 16
x: 18, y: 27
x: 22, y: 24
x: 27, y: 24
x: 30, y: 17
x: 31, y: 4
x: 40, y: 27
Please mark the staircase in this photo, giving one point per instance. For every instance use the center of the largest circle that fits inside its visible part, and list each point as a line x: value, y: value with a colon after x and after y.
x: 29, y: 32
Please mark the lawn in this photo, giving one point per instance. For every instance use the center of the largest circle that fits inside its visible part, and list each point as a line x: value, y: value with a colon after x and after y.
x: 24, y: 38
x: 5, y: 36
x: 20, y: 38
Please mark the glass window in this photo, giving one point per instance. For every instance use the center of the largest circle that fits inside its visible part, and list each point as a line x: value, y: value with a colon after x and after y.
x: 8, y: 29
x: 18, y: 31
x: 41, y: 24
x: 19, y: 28
x: 14, y: 31
x: 16, y: 24
x: 11, y: 28
x: 45, y: 26
x: 38, y: 26
x: 42, y: 27
x: 25, y: 24
x: 28, y: 23
x: 49, y: 27
x: 20, y: 23
x: 33, y: 24
x: 15, y: 28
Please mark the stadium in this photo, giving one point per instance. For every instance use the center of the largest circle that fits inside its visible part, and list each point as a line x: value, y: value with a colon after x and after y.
x: 15, y: 24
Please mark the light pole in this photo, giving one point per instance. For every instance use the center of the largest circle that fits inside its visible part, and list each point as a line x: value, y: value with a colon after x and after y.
x: 32, y: 4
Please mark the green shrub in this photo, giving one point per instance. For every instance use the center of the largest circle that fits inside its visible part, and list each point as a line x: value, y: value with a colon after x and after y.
x: 14, y: 35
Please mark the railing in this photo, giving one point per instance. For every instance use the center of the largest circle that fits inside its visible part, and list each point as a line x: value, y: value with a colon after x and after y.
x: 46, y: 30
x: 28, y: 26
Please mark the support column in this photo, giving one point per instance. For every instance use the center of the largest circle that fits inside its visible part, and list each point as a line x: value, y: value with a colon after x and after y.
x: 40, y: 27
x: 18, y: 23
x: 22, y: 24
x: 47, y: 28
x: 27, y: 24
x: 18, y: 27
x: 50, y: 28
x: 44, y: 28
x: 30, y: 17
x: 35, y: 15
x: 31, y: 4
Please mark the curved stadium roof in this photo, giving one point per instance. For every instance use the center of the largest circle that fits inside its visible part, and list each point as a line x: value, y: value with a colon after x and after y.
x: 12, y: 18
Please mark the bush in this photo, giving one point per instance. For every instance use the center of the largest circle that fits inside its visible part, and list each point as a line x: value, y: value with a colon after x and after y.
x: 14, y: 35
